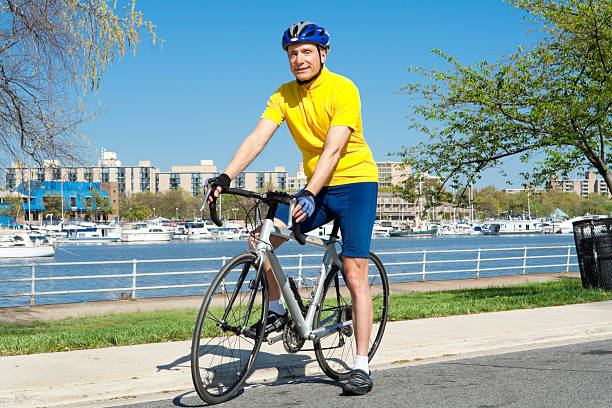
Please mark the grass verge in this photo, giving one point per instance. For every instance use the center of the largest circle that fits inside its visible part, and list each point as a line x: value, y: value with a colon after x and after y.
x: 172, y: 325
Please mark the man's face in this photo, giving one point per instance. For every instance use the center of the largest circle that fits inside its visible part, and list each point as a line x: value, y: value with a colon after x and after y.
x: 304, y: 60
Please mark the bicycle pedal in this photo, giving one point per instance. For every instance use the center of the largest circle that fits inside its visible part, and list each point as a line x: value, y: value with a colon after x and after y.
x: 274, y: 339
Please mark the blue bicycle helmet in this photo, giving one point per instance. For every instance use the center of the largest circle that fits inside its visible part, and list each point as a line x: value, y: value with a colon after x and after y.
x: 305, y: 31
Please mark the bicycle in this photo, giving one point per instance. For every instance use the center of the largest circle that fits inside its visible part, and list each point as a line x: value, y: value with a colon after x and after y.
x: 223, y: 350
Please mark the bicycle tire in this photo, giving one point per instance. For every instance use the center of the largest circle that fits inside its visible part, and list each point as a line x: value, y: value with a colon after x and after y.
x: 221, y: 356
x: 336, y: 352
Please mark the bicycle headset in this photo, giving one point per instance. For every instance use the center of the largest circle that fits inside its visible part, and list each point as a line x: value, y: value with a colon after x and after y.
x: 307, y: 32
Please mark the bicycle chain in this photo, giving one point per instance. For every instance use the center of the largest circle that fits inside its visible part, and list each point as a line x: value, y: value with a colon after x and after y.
x: 292, y: 341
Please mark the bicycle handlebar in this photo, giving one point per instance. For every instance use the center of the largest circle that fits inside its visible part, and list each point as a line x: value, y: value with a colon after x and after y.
x: 268, y: 197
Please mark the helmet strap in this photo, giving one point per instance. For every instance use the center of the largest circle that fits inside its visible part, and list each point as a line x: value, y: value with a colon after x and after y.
x: 314, y: 77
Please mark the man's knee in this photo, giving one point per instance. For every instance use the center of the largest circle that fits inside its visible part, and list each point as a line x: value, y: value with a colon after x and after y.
x: 275, y: 241
x: 356, y: 272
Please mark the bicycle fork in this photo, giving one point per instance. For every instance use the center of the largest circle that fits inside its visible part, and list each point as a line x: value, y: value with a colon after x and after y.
x: 253, y: 289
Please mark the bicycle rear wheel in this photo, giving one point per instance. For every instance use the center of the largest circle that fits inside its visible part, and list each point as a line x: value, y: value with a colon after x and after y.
x: 336, y: 352
x: 221, y: 354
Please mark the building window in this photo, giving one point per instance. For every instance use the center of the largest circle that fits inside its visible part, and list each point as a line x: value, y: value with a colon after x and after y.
x: 281, y: 181
x: 104, y: 175
x: 88, y: 175
x: 196, y: 184
x: 145, y: 179
x: 72, y: 175
x: 260, y: 181
x: 11, y: 178
x: 175, y: 180
x: 239, y: 181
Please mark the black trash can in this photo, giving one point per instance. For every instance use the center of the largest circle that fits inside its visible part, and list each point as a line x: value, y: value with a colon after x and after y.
x: 594, y: 249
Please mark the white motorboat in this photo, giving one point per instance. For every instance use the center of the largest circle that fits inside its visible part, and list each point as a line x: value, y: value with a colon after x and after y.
x: 460, y: 228
x: 378, y: 231
x: 514, y: 227
x: 90, y: 233
x: 197, y: 231
x: 180, y: 232
x: 19, y: 245
x: 144, y: 232
x: 228, y: 232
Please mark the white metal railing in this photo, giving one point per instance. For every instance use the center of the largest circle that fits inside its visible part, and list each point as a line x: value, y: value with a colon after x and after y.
x: 399, y: 266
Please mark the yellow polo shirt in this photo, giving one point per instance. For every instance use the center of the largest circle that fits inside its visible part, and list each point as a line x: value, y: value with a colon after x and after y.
x: 310, y: 110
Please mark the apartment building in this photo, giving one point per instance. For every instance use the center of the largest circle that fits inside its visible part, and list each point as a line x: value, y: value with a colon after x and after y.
x: 190, y: 178
x: 129, y: 179
x: 145, y: 177
x: 583, y: 187
x: 299, y: 181
x: 391, y: 173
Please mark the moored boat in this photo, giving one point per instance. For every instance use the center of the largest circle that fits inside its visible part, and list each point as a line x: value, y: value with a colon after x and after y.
x: 419, y: 233
x: 143, y: 232
x: 19, y: 245
x: 91, y: 233
x: 514, y: 227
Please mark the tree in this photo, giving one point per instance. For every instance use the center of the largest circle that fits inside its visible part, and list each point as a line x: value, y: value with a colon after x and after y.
x: 550, y: 104
x: 53, y: 53
x: 97, y: 205
x: 53, y: 205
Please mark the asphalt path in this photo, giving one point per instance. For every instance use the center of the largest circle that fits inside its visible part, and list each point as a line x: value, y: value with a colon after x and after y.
x: 577, y: 375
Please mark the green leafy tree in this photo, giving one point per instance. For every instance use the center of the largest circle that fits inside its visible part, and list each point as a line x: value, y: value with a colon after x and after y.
x: 549, y: 104
x: 13, y: 209
x: 98, y: 206
x: 53, y: 206
x: 53, y: 53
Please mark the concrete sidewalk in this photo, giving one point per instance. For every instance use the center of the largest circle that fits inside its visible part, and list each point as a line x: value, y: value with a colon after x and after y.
x: 122, y: 374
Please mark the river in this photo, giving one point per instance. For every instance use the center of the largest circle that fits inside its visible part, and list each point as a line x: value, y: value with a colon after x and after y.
x: 390, y: 247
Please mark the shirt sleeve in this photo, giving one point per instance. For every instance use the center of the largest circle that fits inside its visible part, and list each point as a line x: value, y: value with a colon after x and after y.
x: 347, y: 107
x: 274, y: 110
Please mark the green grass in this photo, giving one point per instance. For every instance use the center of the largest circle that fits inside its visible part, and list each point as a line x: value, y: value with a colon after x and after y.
x: 173, y: 325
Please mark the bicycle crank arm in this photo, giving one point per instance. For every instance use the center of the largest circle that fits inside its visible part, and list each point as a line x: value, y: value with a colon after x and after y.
x: 322, y: 332
x: 276, y: 338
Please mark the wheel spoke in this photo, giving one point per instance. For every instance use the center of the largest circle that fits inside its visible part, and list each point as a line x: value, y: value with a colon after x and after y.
x: 220, y: 364
x: 336, y: 352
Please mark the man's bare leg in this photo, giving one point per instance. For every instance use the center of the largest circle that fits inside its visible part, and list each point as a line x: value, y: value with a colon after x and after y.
x: 356, y: 271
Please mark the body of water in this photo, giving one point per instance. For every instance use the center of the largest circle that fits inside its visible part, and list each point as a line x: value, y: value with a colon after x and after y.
x: 391, y: 248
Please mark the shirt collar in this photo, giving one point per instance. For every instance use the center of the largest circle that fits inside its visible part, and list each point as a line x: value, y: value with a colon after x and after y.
x: 317, y: 82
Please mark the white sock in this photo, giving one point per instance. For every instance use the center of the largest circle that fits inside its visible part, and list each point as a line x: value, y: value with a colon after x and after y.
x: 277, y: 307
x: 361, y: 363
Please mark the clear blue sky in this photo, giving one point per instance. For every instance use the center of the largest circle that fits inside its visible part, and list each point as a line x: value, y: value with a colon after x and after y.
x: 203, y: 92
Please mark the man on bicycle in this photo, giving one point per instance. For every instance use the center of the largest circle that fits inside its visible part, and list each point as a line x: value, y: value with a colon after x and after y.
x: 323, y: 114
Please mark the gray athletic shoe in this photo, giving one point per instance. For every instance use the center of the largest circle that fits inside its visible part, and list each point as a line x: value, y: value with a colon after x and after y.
x: 359, y: 383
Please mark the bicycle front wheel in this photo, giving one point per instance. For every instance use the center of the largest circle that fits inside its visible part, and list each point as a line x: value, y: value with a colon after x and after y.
x: 222, y: 355
x: 336, y: 352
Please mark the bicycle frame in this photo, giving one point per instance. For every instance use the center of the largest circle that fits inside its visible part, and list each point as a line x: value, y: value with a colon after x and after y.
x: 330, y: 259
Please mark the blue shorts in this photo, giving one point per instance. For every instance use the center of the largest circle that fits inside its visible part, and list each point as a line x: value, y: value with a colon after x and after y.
x: 354, y: 205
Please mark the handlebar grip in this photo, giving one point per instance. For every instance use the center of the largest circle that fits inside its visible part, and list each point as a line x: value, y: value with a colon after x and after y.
x: 212, y: 206
x: 297, y: 233
x: 213, y: 212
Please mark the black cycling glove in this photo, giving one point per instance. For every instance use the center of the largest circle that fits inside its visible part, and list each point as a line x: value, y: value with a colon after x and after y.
x: 222, y: 180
